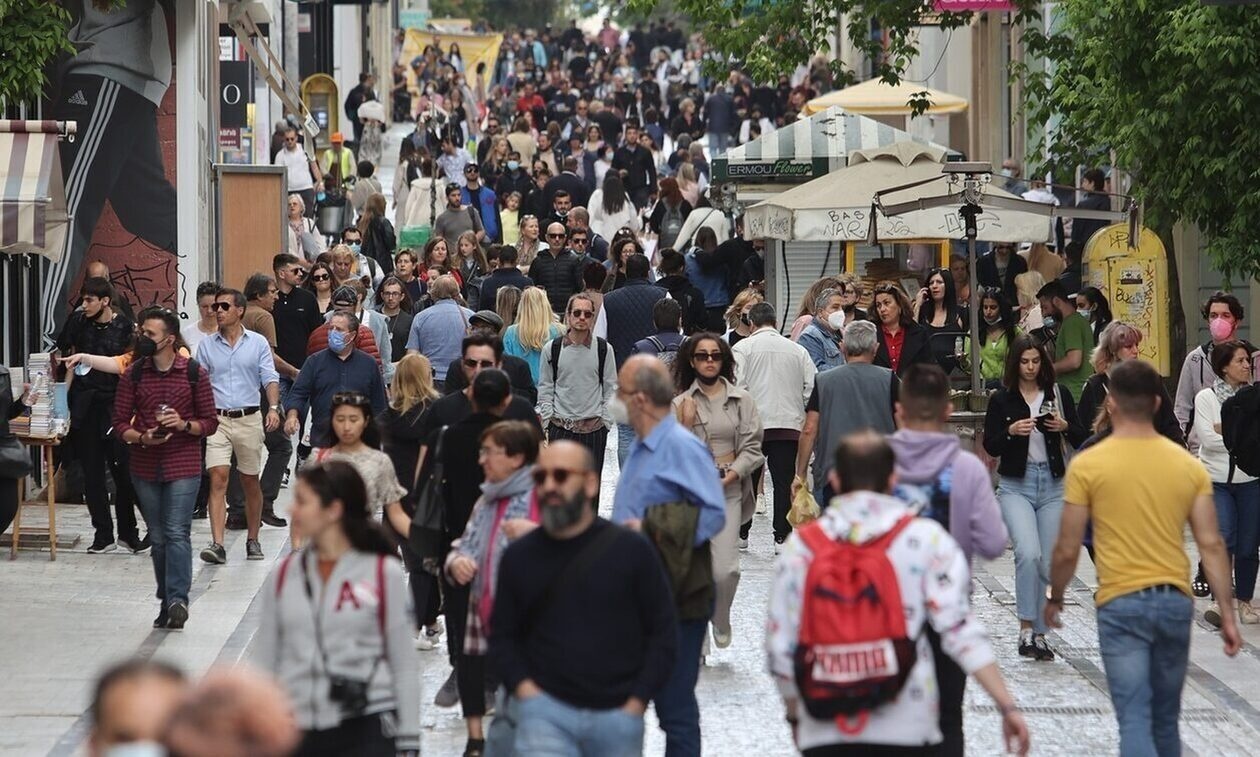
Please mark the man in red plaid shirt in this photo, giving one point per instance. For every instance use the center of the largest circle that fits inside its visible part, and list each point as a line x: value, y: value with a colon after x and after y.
x: 163, y: 407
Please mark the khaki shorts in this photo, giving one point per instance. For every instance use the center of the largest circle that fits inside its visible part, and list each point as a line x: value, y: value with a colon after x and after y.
x: 242, y: 436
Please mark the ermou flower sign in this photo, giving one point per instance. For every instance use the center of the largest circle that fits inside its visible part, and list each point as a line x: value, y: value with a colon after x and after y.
x: 959, y: 6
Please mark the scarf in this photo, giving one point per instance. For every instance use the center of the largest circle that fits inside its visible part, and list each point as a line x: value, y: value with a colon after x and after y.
x: 484, y: 541
x: 1223, y: 390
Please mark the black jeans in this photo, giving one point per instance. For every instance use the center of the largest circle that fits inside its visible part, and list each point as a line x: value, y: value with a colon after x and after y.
x: 596, y: 441
x: 8, y: 502
x: 781, y: 464
x: 95, y: 453
x: 363, y: 737
x: 425, y: 596
x: 470, y: 670
x: 746, y: 526
x: 951, y: 682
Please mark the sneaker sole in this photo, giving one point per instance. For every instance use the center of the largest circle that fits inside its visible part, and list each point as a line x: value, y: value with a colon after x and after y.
x: 255, y: 557
x: 209, y: 557
x: 102, y: 550
x: 177, y: 616
x: 1213, y: 617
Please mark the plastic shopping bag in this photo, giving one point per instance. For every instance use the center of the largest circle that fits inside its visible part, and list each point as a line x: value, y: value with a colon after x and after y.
x: 804, y: 507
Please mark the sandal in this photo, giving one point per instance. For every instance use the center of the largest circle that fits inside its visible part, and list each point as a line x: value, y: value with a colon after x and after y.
x: 1200, y: 586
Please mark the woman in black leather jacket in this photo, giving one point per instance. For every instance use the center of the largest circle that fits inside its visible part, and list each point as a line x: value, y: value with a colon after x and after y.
x: 1032, y: 428
x: 12, y: 407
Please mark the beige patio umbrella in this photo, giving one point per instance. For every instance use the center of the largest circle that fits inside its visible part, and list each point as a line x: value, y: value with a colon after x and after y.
x: 875, y: 98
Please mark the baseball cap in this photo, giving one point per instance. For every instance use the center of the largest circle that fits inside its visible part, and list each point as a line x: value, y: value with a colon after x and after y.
x: 345, y: 295
x: 487, y: 317
x: 337, y: 137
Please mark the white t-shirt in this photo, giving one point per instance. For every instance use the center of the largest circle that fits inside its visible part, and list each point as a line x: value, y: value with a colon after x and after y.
x: 193, y: 335
x: 298, y: 167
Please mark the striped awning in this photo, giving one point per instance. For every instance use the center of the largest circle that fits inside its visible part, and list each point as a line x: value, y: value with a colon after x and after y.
x: 806, y: 149
x: 32, y: 195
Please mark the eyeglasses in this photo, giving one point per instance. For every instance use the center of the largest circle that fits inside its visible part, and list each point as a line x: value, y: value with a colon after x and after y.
x: 578, y: 240
x: 582, y: 313
x: 559, y: 474
x: 391, y: 294
x: 555, y: 236
x: 224, y: 306
x: 488, y: 451
x: 707, y: 357
x: 470, y: 363
x: 321, y: 277
x: 470, y: 168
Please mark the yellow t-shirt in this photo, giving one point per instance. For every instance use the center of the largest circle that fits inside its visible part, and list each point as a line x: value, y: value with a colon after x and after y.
x: 1139, y: 493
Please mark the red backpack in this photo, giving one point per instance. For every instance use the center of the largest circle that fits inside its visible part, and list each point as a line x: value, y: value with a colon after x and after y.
x: 853, y: 653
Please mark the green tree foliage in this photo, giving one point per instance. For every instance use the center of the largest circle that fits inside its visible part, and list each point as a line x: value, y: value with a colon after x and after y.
x: 1170, y: 86
x: 34, y: 33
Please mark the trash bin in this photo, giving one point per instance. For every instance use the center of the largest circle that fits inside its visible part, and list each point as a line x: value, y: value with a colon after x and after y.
x: 414, y: 237
x: 331, y: 220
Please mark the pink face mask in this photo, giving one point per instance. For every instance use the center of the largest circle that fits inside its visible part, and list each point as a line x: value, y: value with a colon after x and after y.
x: 1221, y: 329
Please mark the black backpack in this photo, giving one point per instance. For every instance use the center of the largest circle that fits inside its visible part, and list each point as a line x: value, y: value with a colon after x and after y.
x: 665, y: 354
x: 194, y: 375
x: 556, y: 346
x: 1240, y: 429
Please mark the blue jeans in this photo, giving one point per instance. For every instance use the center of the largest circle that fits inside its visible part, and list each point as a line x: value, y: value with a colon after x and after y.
x: 676, y: 705
x: 168, y: 507
x: 547, y: 727
x: 719, y: 141
x: 1032, y: 507
x: 1144, y: 638
x: 625, y: 437
x: 1238, y: 513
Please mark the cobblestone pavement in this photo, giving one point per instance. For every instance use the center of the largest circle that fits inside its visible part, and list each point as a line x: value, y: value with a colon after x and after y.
x: 65, y: 620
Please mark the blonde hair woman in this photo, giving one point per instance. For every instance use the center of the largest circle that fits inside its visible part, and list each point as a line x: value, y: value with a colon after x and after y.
x: 737, y: 315
x: 528, y: 244
x: 1027, y: 284
x: 535, y: 325
x: 507, y: 301
x: 1044, y: 262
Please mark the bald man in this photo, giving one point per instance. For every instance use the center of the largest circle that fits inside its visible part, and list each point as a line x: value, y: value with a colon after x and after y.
x: 132, y: 705
x: 99, y: 269
x: 670, y: 468
x: 601, y: 644
x: 557, y: 269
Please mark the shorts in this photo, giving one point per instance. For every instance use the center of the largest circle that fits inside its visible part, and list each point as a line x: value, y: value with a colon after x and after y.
x: 242, y: 436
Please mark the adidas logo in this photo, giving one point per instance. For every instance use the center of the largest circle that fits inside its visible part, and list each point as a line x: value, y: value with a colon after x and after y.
x: 78, y: 99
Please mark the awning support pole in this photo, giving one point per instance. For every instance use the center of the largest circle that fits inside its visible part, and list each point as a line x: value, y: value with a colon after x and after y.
x: 969, y: 213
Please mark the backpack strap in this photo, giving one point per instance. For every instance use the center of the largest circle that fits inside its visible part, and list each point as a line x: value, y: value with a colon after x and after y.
x: 602, y: 348
x: 284, y: 571
x: 883, y: 542
x: 380, y: 592
x: 816, y: 539
x: 555, y: 358
x: 660, y: 347
x: 194, y: 375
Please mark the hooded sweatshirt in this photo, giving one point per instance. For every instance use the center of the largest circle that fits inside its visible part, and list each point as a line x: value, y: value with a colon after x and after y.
x: 357, y: 643
x: 934, y: 580
x: 975, y: 519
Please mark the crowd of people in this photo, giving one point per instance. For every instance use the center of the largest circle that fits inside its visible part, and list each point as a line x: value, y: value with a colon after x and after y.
x: 449, y: 404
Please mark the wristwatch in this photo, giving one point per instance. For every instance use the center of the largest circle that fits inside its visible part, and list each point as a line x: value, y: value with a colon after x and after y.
x: 276, y: 408
x: 187, y: 427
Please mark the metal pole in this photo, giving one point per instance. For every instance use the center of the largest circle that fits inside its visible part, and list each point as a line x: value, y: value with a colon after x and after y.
x: 969, y: 212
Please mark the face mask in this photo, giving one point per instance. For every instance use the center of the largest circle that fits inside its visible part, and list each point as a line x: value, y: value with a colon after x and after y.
x: 707, y: 380
x: 1048, y: 320
x: 743, y: 318
x: 836, y: 320
x: 1085, y: 312
x: 1008, y: 173
x: 618, y: 411
x: 136, y: 749
x: 513, y: 165
x: 336, y: 340
x: 355, y: 247
x: 1221, y: 329
x: 995, y: 320
x: 557, y: 518
x: 145, y: 347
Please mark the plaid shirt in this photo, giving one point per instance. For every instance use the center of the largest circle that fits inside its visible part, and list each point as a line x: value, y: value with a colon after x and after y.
x: 135, y: 406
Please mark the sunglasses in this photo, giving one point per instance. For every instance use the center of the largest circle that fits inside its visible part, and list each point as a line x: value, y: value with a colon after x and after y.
x: 555, y: 236
x: 707, y: 357
x: 321, y: 277
x: 560, y: 475
x: 578, y: 240
x: 470, y: 363
x: 582, y: 313
x: 224, y: 306
x: 351, y: 398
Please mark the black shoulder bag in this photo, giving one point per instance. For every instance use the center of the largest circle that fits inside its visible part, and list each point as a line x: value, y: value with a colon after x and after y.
x: 428, y: 525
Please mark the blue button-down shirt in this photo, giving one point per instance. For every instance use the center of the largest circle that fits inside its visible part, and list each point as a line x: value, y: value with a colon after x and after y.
x: 237, y: 371
x: 671, y: 465
x: 438, y: 333
x: 324, y: 374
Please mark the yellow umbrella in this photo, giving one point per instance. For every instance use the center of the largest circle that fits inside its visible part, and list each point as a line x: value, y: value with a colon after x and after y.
x: 875, y: 98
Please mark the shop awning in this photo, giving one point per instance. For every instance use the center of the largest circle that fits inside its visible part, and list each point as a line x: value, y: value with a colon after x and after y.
x: 32, y: 195
x: 875, y: 98
x: 837, y: 207
x: 805, y: 149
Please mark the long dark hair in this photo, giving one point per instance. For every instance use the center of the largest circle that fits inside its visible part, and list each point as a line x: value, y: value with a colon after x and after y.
x: 1005, y: 312
x: 1101, y: 309
x: 614, y: 193
x: 928, y: 311
x: 371, y: 433
x: 1022, y: 344
x: 685, y: 374
x: 338, y: 480
x: 906, y: 316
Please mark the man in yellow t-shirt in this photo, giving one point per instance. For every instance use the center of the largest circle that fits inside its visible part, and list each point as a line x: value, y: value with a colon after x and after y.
x: 1140, y: 489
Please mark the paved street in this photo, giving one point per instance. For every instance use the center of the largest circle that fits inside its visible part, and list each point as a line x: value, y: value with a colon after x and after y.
x: 65, y: 620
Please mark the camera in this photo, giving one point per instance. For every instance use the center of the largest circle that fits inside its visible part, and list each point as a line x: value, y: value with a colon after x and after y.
x: 350, y: 693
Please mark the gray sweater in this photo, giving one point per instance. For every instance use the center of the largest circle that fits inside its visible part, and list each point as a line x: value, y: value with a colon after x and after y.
x: 351, y: 630
x: 128, y: 45
x: 581, y: 392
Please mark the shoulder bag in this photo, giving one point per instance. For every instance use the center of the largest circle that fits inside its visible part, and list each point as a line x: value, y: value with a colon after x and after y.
x: 428, y: 524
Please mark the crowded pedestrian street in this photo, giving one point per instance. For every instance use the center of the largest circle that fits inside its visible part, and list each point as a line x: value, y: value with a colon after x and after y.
x: 65, y: 617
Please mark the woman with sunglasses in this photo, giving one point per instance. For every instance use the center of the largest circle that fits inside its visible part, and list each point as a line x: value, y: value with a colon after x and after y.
x: 358, y: 442
x: 725, y: 417
x: 1031, y: 428
x: 320, y: 282
x: 335, y: 629
x: 506, y: 510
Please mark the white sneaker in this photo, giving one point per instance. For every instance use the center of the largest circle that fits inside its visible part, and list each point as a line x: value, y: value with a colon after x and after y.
x: 1247, y: 614
x: 761, y: 504
x: 743, y: 545
x: 424, y: 642
x: 721, y: 640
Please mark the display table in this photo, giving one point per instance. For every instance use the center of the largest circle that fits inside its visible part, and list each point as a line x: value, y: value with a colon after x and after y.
x: 45, y: 445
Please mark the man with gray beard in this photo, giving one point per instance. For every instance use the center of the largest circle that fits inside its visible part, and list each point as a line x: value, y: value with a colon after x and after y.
x: 583, y: 632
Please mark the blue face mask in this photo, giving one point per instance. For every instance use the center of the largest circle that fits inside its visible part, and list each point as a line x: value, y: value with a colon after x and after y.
x: 513, y: 165
x: 355, y: 247
x: 336, y: 340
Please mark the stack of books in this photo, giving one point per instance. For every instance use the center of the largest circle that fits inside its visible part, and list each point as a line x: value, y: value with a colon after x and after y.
x: 40, y: 372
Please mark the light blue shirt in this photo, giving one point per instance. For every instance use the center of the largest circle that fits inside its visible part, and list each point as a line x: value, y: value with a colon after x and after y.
x: 237, y: 372
x: 671, y: 465
x: 438, y: 334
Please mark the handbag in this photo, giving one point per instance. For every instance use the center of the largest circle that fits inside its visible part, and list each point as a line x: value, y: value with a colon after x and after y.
x: 428, y: 524
x: 15, y: 458
x: 1068, y: 450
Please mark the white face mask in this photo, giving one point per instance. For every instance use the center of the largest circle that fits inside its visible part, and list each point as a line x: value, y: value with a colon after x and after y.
x: 618, y: 411
x: 836, y: 320
x: 1085, y: 312
x: 136, y: 749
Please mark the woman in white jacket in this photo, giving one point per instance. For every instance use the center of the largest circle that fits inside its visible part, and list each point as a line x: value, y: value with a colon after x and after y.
x: 611, y: 209
x: 418, y: 211
x: 1237, y: 495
